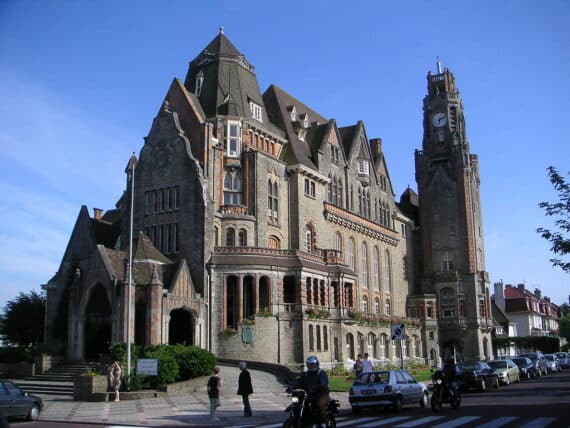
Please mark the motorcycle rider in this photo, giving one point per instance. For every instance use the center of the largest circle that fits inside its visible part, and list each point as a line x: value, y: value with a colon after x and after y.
x: 315, y: 382
x: 450, y: 374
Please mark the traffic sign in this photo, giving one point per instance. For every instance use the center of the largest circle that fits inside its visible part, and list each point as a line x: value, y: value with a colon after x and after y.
x: 398, y: 331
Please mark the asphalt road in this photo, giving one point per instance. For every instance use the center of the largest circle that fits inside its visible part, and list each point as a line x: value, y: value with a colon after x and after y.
x: 539, y: 403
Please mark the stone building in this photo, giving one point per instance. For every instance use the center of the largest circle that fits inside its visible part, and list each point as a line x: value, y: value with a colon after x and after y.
x: 263, y: 231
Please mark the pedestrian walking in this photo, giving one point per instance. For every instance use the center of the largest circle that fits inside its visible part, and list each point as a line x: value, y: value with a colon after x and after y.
x: 245, y: 388
x: 366, y: 364
x: 114, y: 373
x: 214, y: 386
x: 357, y: 367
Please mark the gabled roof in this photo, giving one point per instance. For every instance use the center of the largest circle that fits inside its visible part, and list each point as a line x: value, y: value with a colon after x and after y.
x: 498, y: 314
x: 144, y: 250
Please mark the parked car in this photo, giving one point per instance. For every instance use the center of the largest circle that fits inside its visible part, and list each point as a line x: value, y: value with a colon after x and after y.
x: 477, y: 375
x: 538, y: 360
x: 506, y: 369
x: 15, y: 403
x: 386, y: 388
x: 526, y: 367
x: 552, y: 364
x: 563, y: 359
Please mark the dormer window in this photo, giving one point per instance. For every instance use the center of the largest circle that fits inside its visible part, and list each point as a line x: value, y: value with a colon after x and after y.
x: 292, y: 113
x: 305, y: 118
x: 363, y: 167
x: 199, y: 84
x: 301, y: 135
x: 255, y: 111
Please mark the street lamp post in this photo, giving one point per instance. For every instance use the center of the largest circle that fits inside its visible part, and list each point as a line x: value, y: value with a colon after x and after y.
x: 131, y: 170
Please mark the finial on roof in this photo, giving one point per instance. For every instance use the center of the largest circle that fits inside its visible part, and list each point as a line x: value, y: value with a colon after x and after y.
x: 221, y: 29
x: 438, y: 64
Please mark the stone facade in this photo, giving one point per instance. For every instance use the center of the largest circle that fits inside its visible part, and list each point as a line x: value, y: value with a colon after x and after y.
x: 263, y: 231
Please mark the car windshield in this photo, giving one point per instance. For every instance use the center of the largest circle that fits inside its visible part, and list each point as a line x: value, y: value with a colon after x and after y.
x: 549, y: 357
x: 498, y: 364
x: 520, y: 361
x: 466, y: 366
x: 561, y: 355
x: 373, y: 378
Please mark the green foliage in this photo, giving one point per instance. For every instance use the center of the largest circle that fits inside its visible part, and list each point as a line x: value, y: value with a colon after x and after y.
x: 545, y: 344
x: 17, y: 355
x: 247, y: 321
x: 339, y: 370
x: 193, y: 361
x: 565, y: 327
x: 22, y: 322
x: 314, y: 313
x: 264, y: 313
x: 560, y: 210
x: 168, y: 368
x: 139, y: 382
x: 230, y: 331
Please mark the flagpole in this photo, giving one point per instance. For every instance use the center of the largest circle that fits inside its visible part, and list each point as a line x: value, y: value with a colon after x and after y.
x: 132, y: 165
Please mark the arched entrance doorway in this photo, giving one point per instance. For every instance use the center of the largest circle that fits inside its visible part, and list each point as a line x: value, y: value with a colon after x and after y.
x: 97, y: 323
x: 264, y: 293
x: 181, y: 327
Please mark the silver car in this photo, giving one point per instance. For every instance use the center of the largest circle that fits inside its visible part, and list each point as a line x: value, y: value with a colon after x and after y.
x: 386, y: 388
x: 563, y: 359
x: 552, y: 364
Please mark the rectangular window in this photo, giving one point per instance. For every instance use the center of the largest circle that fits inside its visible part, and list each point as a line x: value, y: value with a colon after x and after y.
x: 175, y: 237
x: 162, y: 200
x: 147, y: 203
x: 233, y: 138
x: 363, y: 167
x: 448, y: 313
x: 167, y: 239
x: 307, y: 186
x: 158, y: 243
x: 255, y: 111
x: 176, y: 197
x: 313, y: 188
x: 154, y: 201
x: 167, y: 195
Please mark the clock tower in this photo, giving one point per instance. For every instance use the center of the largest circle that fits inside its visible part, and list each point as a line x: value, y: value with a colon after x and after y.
x: 453, y: 263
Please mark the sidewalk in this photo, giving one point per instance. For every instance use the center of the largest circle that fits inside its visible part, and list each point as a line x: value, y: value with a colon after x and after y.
x: 189, y: 409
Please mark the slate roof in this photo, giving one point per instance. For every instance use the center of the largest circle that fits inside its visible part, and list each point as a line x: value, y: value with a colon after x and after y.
x: 144, y: 250
x: 348, y: 134
x: 106, y: 233
x: 498, y: 314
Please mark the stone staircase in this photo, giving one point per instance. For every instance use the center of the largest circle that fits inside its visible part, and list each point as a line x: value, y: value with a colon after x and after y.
x: 56, y: 381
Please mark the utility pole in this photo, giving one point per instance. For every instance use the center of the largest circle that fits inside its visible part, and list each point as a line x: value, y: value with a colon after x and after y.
x: 131, y: 171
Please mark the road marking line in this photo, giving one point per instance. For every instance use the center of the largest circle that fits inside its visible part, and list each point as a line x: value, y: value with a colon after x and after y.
x: 272, y: 426
x: 457, y: 422
x: 354, y: 421
x: 539, y: 423
x: 419, y: 422
x: 499, y: 422
x: 384, y: 422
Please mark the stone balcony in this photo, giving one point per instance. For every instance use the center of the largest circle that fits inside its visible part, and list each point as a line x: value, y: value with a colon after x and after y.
x: 447, y: 275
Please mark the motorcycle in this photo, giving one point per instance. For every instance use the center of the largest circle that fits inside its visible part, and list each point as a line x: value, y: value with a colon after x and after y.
x: 443, y: 393
x: 303, y: 415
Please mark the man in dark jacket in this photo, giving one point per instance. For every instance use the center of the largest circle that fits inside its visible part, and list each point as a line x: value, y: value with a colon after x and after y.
x: 245, y: 388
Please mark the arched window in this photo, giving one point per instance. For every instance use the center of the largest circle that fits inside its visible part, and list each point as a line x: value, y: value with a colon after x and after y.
x: 351, y: 250
x: 273, y: 242
x: 388, y: 307
x: 376, y: 305
x: 272, y: 200
x: 339, y: 193
x: 216, y: 236
x: 360, y: 202
x: 230, y: 237
x: 199, y: 83
x: 330, y: 190
x: 387, y: 273
x: 375, y: 284
x: 351, y: 197
x: 309, y: 238
x: 318, y: 334
x: 325, y: 338
x: 364, y: 265
x: 364, y: 304
x: 232, y: 189
x: 337, y: 241
x: 311, y: 339
x: 242, y: 238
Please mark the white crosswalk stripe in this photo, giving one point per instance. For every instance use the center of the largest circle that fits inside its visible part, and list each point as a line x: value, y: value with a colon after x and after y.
x: 457, y: 422
x: 499, y: 422
x: 539, y: 423
x: 419, y: 422
x: 351, y: 421
x: 383, y: 422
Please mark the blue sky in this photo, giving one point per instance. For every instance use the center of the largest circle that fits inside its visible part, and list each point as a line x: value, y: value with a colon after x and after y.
x: 80, y: 83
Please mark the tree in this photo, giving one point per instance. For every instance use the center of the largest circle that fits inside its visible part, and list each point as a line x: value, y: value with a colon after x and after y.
x: 565, y: 327
x: 560, y: 210
x: 22, y: 322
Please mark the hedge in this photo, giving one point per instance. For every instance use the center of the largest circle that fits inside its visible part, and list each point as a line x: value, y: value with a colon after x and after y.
x: 545, y: 344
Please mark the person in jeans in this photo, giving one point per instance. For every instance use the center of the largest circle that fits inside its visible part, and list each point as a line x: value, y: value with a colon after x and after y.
x: 358, y: 366
x: 245, y: 388
x: 214, y: 385
x: 367, y: 364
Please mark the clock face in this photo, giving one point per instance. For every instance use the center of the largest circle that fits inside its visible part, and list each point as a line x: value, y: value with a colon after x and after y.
x: 439, y: 120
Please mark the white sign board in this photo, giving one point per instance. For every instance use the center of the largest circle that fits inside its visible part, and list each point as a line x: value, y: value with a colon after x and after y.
x: 147, y: 366
x: 398, y: 331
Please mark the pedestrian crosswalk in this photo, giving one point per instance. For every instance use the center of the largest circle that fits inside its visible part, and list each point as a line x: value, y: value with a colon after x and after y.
x: 436, y: 421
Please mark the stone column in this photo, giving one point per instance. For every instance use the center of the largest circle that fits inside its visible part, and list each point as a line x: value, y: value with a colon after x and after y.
x: 256, y: 292
x: 154, y: 308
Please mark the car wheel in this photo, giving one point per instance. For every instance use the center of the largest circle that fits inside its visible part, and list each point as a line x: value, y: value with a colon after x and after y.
x: 398, y: 405
x: 424, y: 400
x: 497, y: 383
x: 507, y: 380
x: 356, y: 410
x: 482, y: 385
x: 518, y: 379
x: 34, y: 413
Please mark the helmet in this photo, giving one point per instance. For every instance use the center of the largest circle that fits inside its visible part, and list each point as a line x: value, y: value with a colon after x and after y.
x: 312, y: 363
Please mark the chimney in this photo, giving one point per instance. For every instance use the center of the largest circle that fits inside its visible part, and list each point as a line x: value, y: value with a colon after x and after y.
x: 376, y: 147
x: 499, y: 295
x: 520, y: 287
x: 97, y: 213
x: 537, y: 293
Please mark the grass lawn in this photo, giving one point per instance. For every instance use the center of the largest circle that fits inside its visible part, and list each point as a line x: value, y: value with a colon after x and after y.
x: 340, y: 384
